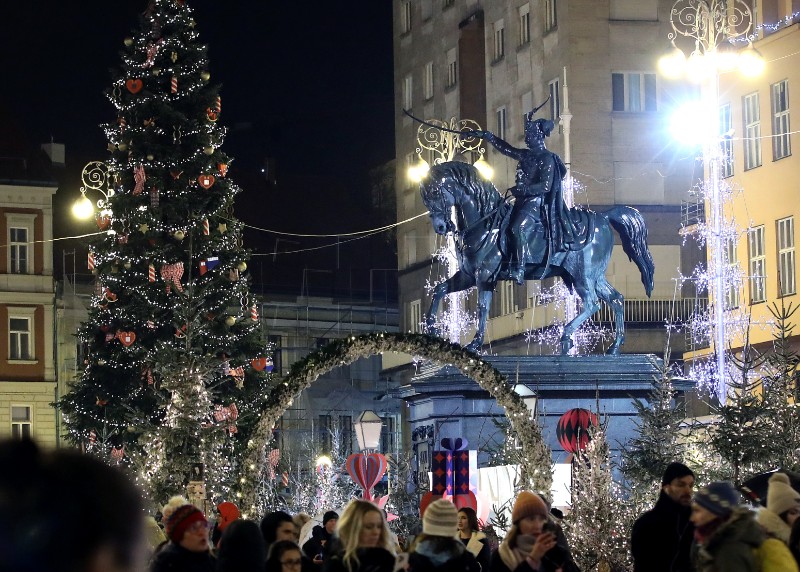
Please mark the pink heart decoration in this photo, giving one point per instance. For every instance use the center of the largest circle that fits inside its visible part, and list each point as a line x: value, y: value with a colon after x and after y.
x: 366, y: 470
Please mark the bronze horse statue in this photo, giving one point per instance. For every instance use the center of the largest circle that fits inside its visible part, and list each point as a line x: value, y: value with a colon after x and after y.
x: 481, y: 233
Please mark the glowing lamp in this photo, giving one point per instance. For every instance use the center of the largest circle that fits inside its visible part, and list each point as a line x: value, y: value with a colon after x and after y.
x: 751, y: 63
x: 368, y: 430
x: 699, y: 67
x: 83, y: 208
x: 484, y: 168
x: 673, y: 63
x: 418, y: 171
x: 691, y: 124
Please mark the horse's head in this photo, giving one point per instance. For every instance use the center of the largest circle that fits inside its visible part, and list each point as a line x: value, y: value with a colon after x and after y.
x: 456, y: 184
x: 439, y: 199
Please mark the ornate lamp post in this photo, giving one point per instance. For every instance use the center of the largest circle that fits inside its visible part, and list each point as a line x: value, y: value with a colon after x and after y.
x: 95, y: 176
x: 712, y: 24
x: 368, y: 430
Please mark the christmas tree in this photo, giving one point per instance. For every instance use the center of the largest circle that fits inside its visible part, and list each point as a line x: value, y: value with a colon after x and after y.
x: 660, y: 437
x: 175, y: 368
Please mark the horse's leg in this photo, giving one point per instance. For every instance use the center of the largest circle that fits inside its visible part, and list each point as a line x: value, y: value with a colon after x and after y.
x: 485, y: 292
x: 614, y: 299
x: 585, y: 288
x: 457, y: 282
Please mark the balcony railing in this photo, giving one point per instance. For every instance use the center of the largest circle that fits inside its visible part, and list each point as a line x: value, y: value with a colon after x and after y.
x: 654, y: 311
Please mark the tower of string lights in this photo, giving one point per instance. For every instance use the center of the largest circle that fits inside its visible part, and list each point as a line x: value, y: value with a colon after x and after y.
x: 713, y: 27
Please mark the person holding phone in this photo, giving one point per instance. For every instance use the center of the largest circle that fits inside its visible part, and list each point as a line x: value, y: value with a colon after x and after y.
x: 533, y: 542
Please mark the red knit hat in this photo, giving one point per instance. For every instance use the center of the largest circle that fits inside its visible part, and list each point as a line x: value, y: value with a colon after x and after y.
x: 181, y: 519
x: 228, y: 512
x: 528, y: 504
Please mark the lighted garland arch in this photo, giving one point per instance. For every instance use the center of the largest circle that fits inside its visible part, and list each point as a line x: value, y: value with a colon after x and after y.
x: 344, y: 351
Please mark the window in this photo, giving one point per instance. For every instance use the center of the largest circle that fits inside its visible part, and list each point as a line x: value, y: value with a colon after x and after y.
x: 408, y: 85
x: 427, y: 83
x: 786, y: 258
x: 550, y: 20
x: 726, y: 147
x: 555, y: 99
x: 415, y: 316
x: 499, y: 40
x: 500, y: 129
x: 732, y: 262
x: 405, y: 16
x: 757, y: 265
x: 388, y: 436
x: 524, y: 24
x: 633, y: 91
x: 507, y: 305
x: 752, y: 131
x: 781, y: 144
x: 411, y: 248
x: 19, y: 338
x: 21, y: 422
x: 18, y: 245
x: 452, y: 69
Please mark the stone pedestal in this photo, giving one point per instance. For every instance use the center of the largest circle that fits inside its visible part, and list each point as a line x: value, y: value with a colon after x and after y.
x: 444, y: 403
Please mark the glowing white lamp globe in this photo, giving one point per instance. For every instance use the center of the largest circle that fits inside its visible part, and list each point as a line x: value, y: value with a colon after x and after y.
x: 83, y: 208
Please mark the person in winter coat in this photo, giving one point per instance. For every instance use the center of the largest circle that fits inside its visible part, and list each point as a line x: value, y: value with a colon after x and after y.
x: 241, y: 548
x: 532, y: 543
x: 783, y: 508
x: 661, y: 539
x: 437, y: 548
x: 188, y: 549
x: 727, y: 537
x: 475, y: 541
x: 316, y: 547
x: 363, y: 542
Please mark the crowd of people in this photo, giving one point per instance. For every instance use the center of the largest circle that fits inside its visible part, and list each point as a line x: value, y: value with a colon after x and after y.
x: 69, y: 512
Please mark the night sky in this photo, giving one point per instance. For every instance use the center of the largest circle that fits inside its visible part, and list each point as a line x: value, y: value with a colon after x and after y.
x: 309, y: 84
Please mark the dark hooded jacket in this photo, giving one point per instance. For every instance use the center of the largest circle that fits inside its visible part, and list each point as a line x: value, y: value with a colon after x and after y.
x: 661, y: 539
x: 441, y: 553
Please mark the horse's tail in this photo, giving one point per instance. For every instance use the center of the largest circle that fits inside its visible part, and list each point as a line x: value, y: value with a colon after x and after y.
x: 629, y: 223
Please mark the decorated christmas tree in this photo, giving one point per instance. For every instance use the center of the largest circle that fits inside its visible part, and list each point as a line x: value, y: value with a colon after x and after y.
x: 175, y: 370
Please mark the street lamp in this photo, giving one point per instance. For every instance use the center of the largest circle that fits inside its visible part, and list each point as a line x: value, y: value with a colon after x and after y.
x: 529, y: 397
x: 368, y: 430
x: 712, y: 24
x: 442, y: 141
x: 95, y: 176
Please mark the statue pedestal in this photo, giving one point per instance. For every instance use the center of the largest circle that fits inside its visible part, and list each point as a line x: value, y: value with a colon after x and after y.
x: 445, y: 403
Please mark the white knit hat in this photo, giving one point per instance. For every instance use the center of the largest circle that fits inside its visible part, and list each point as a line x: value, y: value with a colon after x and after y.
x: 440, y: 519
x: 780, y: 494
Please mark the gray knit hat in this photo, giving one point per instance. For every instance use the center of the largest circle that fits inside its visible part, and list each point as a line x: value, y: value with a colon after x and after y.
x: 440, y: 519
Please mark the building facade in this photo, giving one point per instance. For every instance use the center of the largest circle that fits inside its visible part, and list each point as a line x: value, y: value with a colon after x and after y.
x: 492, y: 62
x: 28, y: 380
x: 761, y: 167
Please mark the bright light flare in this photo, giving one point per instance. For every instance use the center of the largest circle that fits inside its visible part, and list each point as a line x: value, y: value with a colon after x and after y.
x: 672, y: 65
x: 751, y: 63
x: 418, y: 171
x: 484, y: 168
x: 692, y: 124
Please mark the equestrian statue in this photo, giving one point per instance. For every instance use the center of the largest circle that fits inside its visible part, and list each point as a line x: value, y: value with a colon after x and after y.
x: 531, y: 235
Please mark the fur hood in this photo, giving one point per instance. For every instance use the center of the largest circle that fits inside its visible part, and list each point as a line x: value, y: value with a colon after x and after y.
x: 476, y: 543
x: 774, y: 525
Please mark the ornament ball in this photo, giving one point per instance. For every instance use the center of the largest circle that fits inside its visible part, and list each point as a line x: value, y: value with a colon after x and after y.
x: 179, y: 235
x: 128, y: 42
x: 230, y: 320
x: 122, y: 147
x: 242, y: 266
x: 150, y: 157
x: 209, y: 150
x: 205, y: 76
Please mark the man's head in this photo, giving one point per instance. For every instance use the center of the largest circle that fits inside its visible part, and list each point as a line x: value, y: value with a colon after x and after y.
x: 537, y: 129
x: 678, y: 483
x: 329, y: 521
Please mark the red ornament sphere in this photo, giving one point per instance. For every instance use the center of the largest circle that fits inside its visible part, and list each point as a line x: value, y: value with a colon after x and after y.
x: 572, y: 430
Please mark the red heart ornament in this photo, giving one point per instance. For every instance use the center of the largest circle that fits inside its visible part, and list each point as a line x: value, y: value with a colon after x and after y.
x: 259, y: 364
x: 103, y: 222
x: 212, y: 115
x: 134, y: 85
x: 126, y: 338
x: 206, y: 181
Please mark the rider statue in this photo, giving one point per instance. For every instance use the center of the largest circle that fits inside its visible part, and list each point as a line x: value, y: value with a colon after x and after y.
x: 540, y: 221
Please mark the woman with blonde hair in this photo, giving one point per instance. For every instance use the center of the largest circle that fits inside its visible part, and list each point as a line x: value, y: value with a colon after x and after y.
x: 362, y: 541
